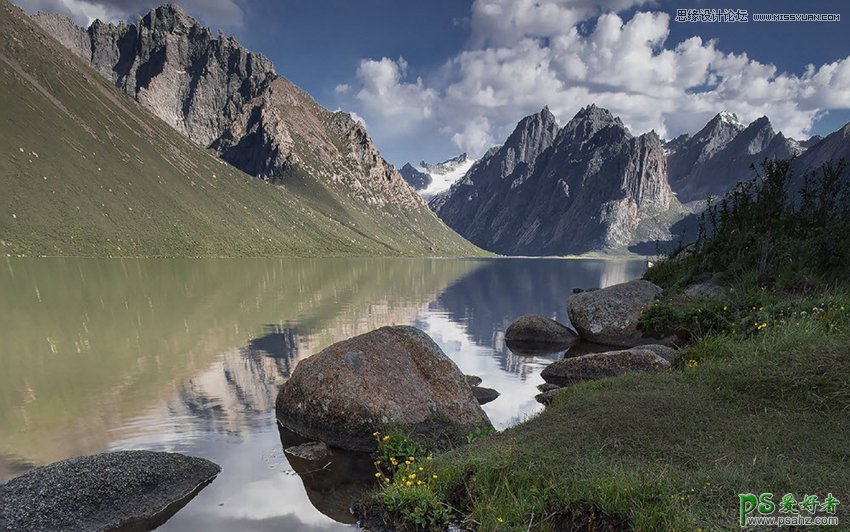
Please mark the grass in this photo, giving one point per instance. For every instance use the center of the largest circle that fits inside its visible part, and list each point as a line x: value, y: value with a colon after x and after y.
x: 761, y: 405
x: 86, y: 171
x: 670, y: 451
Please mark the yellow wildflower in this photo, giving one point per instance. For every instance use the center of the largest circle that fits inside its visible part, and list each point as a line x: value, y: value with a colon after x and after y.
x: 429, y: 457
x: 421, y: 468
x: 408, y: 483
x: 377, y: 462
x: 378, y: 474
x: 411, y: 458
x: 434, y: 477
x: 387, y: 437
x: 387, y: 480
x: 376, y: 434
x: 499, y: 519
x: 418, y: 482
x: 412, y: 475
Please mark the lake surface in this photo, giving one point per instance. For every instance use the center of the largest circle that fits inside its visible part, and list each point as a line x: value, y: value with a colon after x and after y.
x: 187, y: 356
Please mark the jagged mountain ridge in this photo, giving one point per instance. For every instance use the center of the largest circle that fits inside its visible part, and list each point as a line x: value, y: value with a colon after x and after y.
x: 227, y: 98
x: 588, y: 186
x: 89, y: 172
x: 721, y: 154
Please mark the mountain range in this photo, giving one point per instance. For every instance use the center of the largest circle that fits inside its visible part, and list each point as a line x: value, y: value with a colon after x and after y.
x: 593, y: 186
x: 157, y: 137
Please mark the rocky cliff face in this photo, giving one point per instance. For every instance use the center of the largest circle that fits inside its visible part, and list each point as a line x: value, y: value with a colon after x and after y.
x: 830, y: 149
x: 227, y: 98
x: 415, y: 178
x: 720, y: 155
x: 548, y: 191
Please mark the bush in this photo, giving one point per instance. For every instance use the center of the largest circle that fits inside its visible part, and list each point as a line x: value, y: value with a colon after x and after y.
x: 791, y: 240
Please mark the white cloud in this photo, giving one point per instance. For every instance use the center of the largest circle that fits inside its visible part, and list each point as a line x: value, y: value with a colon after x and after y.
x: 385, y: 93
x: 525, y: 54
x: 342, y: 88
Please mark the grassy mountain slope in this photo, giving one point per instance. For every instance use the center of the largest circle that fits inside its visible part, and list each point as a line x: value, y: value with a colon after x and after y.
x: 84, y: 170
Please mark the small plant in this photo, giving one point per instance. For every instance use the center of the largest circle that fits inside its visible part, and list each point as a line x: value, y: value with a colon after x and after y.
x: 407, y: 482
x: 397, y: 447
x: 477, y: 434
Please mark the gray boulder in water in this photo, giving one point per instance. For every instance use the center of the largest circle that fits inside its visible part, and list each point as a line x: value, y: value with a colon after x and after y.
x: 610, y: 315
x: 127, y: 490
x: 390, y: 377
x: 604, y: 365
x: 533, y: 330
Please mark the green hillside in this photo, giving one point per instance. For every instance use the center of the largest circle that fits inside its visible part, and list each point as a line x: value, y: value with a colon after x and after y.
x: 85, y: 171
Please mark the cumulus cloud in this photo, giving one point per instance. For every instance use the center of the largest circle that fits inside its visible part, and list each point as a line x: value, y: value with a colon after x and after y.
x: 216, y: 13
x: 524, y: 54
x: 387, y: 93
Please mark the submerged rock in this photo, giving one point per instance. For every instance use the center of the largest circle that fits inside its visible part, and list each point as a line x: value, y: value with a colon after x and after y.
x: 603, y: 365
x: 135, y: 490
x: 314, y: 450
x: 531, y: 333
x: 610, y: 315
x: 484, y: 395
x: 334, y: 484
x: 547, y: 387
x: 390, y: 377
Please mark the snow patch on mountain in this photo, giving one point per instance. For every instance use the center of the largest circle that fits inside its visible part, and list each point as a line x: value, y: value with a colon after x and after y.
x: 445, y: 174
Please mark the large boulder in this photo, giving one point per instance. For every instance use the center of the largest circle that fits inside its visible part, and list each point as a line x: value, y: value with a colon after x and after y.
x: 127, y: 490
x: 390, y: 377
x: 532, y: 333
x: 603, y: 365
x: 610, y: 316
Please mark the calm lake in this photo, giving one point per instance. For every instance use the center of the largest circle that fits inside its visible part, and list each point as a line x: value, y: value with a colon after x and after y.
x: 188, y: 355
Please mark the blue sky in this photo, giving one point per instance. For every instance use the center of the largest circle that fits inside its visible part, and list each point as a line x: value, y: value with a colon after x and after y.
x: 432, y: 79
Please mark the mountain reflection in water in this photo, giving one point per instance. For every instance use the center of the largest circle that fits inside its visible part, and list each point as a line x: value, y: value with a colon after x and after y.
x: 188, y: 356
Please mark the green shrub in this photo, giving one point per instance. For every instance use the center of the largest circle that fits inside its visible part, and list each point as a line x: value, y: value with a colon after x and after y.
x: 794, y: 240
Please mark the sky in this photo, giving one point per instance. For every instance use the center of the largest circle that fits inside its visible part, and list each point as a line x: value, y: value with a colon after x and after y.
x: 436, y: 78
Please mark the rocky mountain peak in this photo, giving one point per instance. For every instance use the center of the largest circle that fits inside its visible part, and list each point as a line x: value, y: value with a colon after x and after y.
x: 168, y: 17
x: 532, y: 127
x: 532, y: 135
x: 227, y: 98
x: 719, y: 131
x: 757, y: 136
x: 592, y: 119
